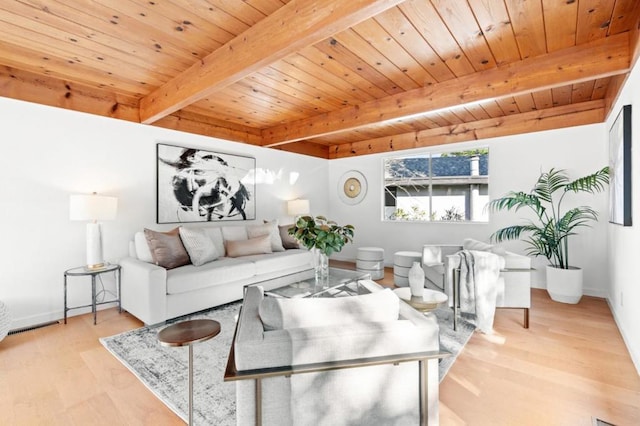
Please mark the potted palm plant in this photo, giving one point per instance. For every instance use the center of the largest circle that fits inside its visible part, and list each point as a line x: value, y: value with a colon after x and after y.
x: 323, y: 237
x: 548, y: 236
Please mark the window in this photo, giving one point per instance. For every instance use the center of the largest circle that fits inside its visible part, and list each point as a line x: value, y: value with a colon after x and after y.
x: 443, y: 187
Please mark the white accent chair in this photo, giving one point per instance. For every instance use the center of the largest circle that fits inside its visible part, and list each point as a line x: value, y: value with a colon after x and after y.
x: 514, y: 285
x: 357, y: 360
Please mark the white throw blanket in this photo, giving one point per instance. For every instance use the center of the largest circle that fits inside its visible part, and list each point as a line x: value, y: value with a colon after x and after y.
x: 479, y: 273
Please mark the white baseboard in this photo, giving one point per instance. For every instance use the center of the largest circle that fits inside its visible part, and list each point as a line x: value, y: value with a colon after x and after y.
x: 34, y: 320
x: 635, y: 357
x: 594, y: 292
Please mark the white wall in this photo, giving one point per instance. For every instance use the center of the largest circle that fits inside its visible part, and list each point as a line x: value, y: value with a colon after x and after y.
x: 515, y: 162
x: 624, y: 242
x: 49, y: 153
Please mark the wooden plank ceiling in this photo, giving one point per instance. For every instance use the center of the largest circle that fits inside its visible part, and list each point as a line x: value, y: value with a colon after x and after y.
x: 329, y: 78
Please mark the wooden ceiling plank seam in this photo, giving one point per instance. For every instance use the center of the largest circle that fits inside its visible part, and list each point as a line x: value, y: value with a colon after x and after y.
x: 23, y: 58
x: 45, y: 90
x: 35, y: 41
x: 267, y: 7
x: 139, y: 13
x: 370, y: 55
x: 543, y: 98
x: 527, y: 20
x: 216, y: 114
x: 463, y: 114
x: 397, y: 24
x: 477, y: 111
x: 525, y: 102
x: 597, y: 59
x: 378, y: 37
x: 594, y: 18
x: 463, y: 26
x: 215, y: 16
x: 529, y: 122
x: 493, y: 109
x: 508, y: 105
x: 281, y: 109
x: 81, y: 32
x: 241, y: 10
x: 623, y: 16
x: 330, y: 65
x: 560, y: 22
x: 450, y: 118
x: 426, y: 20
x: 144, y: 39
x: 493, y: 19
x: 188, y: 20
x: 318, y: 87
x: 336, y: 51
x: 35, y: 32
x: 562, y: 95
x: 581, y: 92
x: 248, y: 52
x: 343, y: 87
x: 600, y: 88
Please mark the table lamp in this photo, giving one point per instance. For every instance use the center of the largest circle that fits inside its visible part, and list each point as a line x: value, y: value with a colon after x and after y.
x: 93, y: 208
x: 298, y: 207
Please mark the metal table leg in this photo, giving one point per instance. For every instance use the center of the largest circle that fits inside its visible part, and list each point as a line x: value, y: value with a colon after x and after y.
x: 93, y: 298
x: 65, y: 298
x: 191, y: 384
x: 119, y: 278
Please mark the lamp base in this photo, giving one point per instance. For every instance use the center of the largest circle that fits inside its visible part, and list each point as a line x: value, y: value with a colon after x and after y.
x: 94, y: 246
x: 96, y: 266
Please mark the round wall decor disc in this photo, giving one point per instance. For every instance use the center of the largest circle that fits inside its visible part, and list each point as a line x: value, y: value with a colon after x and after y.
x: 352, y: 187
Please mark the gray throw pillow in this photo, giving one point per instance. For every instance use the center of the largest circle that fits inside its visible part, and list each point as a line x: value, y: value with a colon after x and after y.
x: 199, y: 246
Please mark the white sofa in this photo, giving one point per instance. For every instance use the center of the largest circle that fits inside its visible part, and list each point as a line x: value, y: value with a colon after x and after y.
x: 295, y: 361
x: 155, y: 294
x: 514, y: 285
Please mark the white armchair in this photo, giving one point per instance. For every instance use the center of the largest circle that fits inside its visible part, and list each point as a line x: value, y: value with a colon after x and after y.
x: 290, y: 369
x: 514, y: 285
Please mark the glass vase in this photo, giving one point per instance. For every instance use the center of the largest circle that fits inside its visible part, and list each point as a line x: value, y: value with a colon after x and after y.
x: 320, y: 264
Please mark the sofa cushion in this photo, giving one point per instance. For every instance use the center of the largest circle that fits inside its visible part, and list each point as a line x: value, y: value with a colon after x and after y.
x: 280, y: 313
x: 270, y: 229
x: 280, y: 261
x: 199, y: 246
x: 166, y: 248
x: 219, y: 272
x: 288, y: 242
x: 258, y: 245
x: 142, y: 247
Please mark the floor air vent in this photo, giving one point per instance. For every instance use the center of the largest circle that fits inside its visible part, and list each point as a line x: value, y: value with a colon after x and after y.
x: 33, y: 327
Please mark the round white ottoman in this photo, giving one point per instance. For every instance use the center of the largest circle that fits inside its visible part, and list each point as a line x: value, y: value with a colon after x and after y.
x: 402, y: 262
x: 370, y: 260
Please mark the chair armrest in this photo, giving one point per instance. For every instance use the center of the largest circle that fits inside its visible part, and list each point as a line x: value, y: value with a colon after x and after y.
x: 144, y: 290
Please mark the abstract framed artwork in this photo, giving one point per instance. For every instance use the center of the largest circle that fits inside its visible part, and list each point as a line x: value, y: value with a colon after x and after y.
x: 620, y: 168
x: 194, y: 185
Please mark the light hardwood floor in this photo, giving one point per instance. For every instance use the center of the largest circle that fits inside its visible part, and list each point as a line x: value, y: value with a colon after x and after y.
x: 570, y: 365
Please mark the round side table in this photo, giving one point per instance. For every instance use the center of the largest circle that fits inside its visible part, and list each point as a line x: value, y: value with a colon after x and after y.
x: 430, y: 300
x: 186, y: 333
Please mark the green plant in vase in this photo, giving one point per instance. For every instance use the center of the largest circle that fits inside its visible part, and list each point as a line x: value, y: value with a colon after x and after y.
x: 322, y: 236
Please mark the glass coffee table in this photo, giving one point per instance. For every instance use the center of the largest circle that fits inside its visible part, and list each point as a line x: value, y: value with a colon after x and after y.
x: 340, y: 282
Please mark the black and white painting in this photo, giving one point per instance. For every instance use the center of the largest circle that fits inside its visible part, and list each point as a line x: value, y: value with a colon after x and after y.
x: 620, y: 168
x: 195, y: 185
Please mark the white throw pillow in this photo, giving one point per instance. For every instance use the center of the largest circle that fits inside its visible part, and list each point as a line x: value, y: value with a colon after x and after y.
x: 270, y: 229
x: 216, y: 236
x: 279, y: 313
x: 199, y: 246
x: 142, y: 247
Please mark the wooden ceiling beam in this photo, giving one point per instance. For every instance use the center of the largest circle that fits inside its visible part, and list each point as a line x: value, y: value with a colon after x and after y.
x: 294, y: 26
x: 533, y: 121
x: 55, y: 92
x: 600, y: 58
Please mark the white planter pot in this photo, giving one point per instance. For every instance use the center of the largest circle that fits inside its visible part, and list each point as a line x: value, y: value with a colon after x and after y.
x: 564, y: 285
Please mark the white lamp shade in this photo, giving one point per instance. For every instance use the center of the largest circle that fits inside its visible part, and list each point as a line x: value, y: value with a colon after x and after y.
x: 298, y: 207
x: 92, y: 207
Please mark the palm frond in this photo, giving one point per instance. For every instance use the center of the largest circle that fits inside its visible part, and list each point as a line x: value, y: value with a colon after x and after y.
x: 516, y: 200
x: 592, y: 183
x: 550, y: 182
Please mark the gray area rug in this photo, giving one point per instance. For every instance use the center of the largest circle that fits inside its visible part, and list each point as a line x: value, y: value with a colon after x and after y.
x: 164, y: 370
